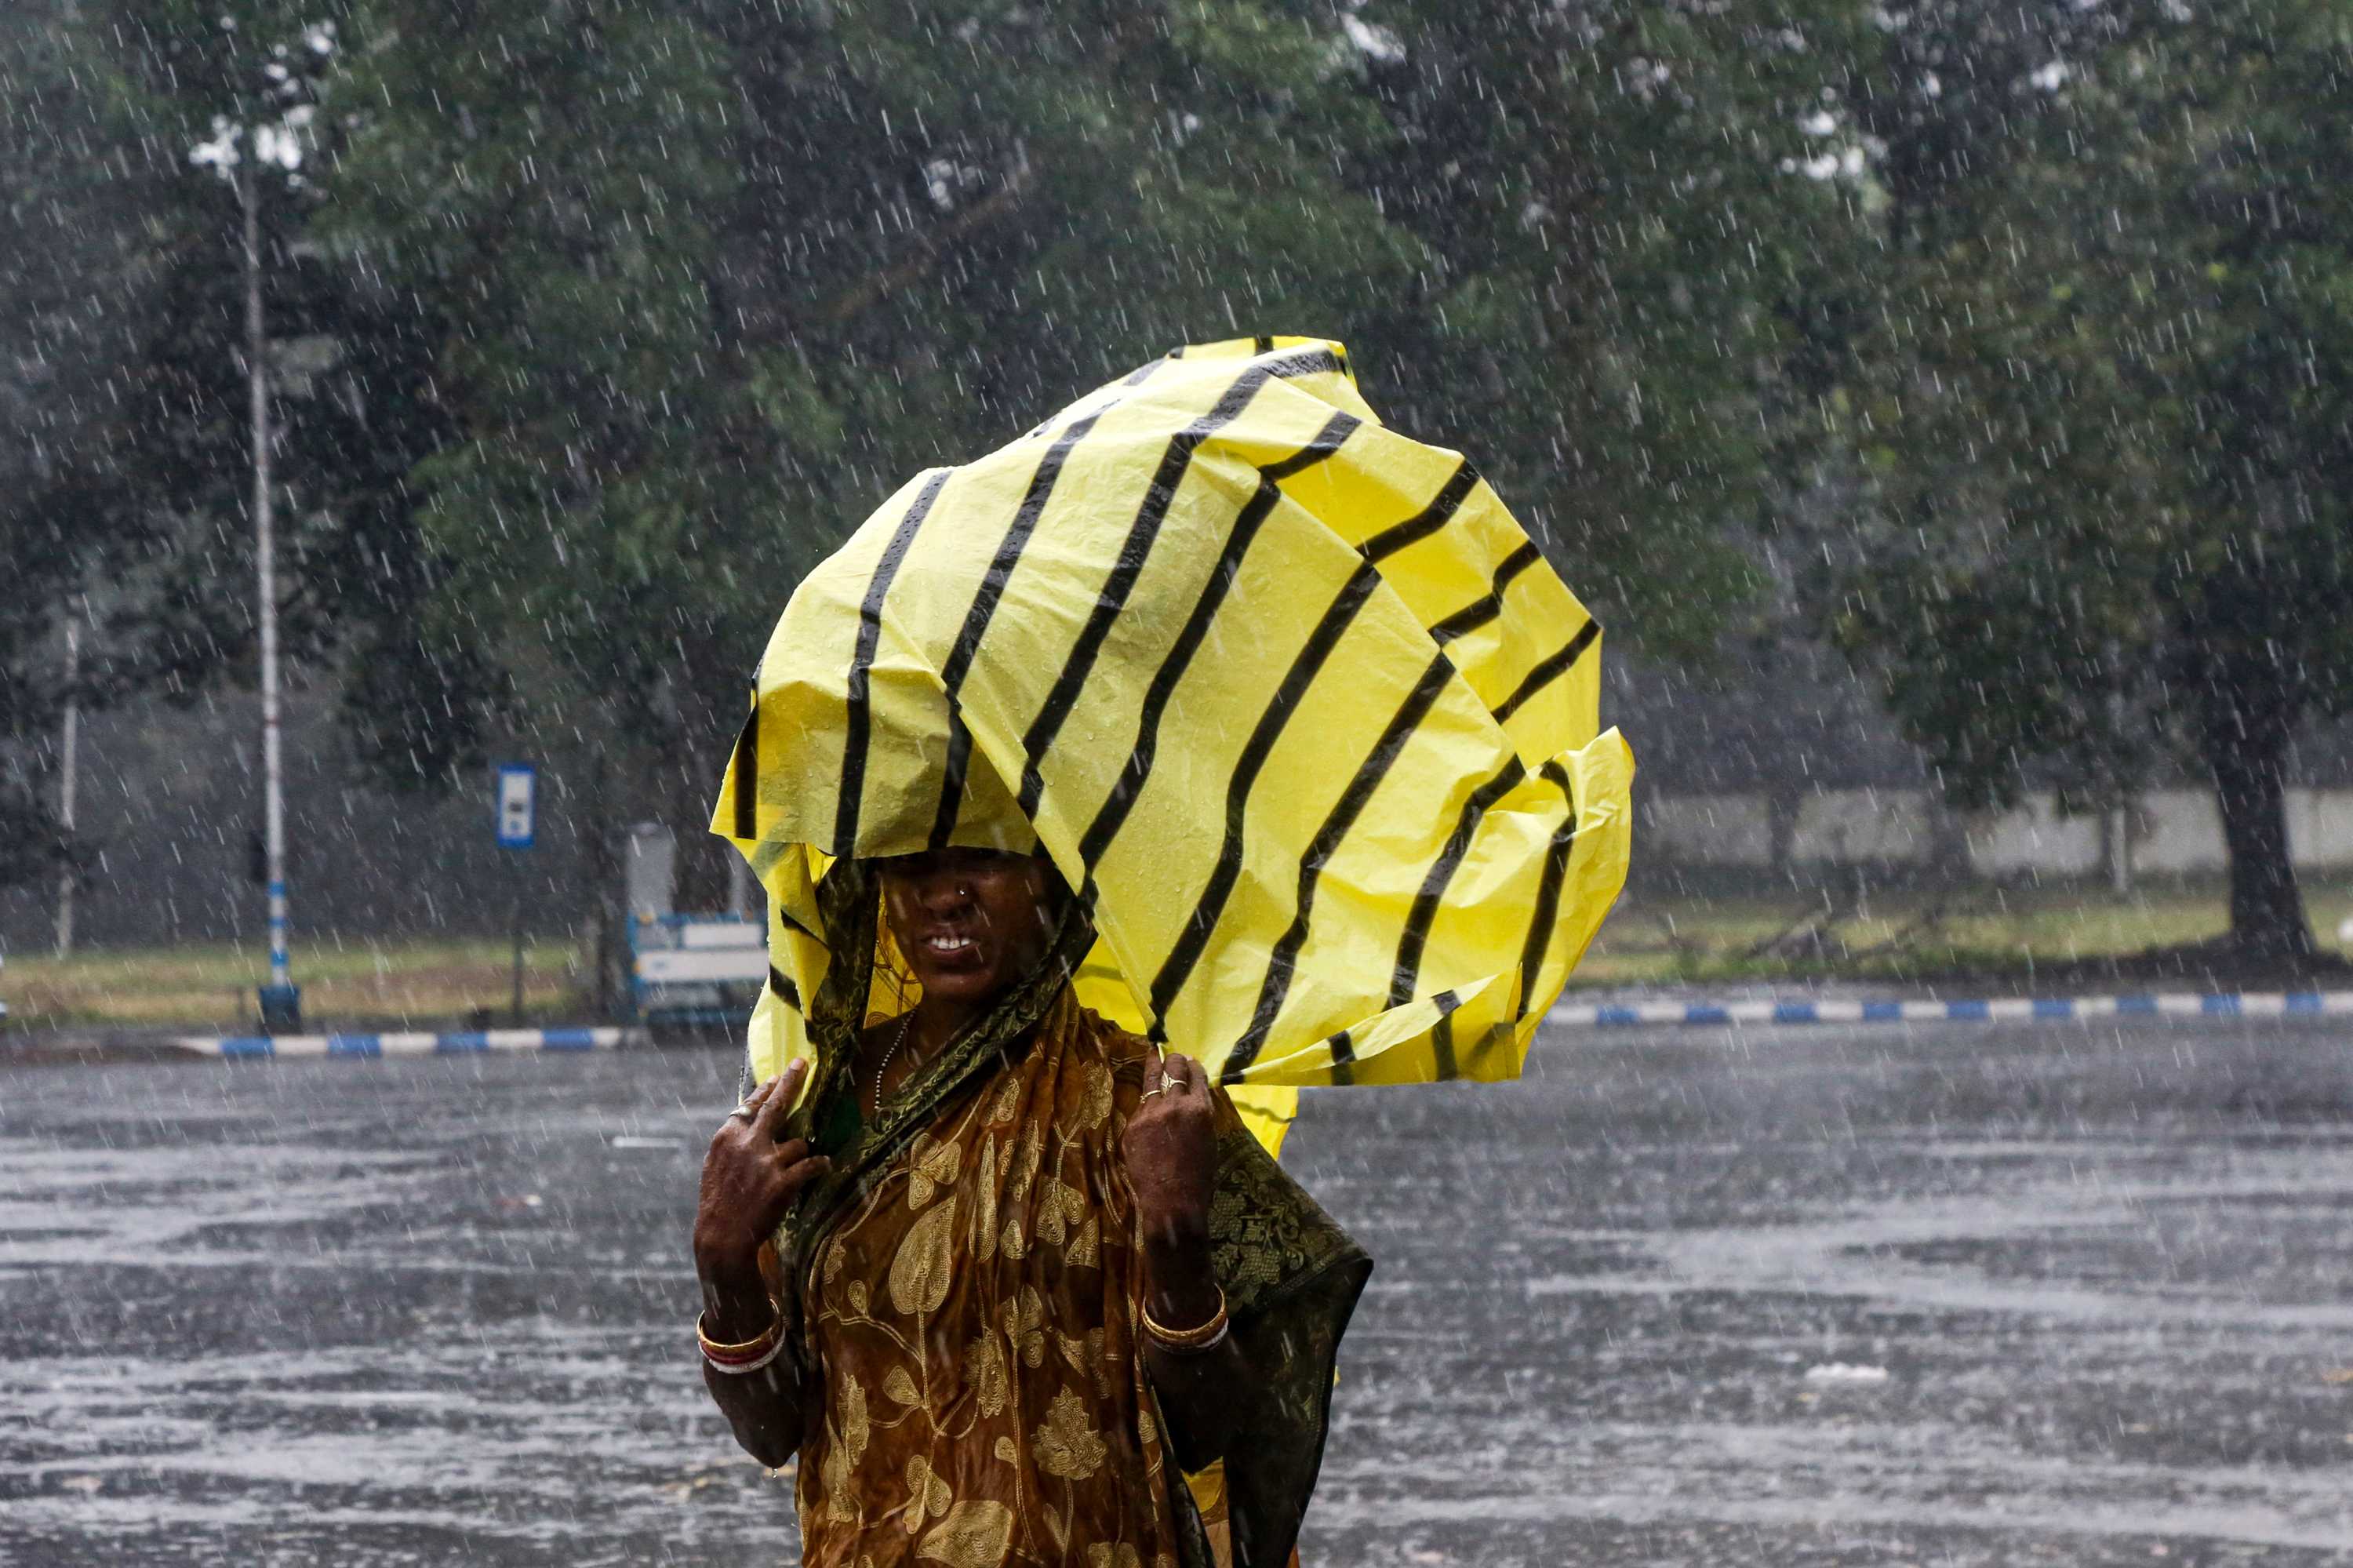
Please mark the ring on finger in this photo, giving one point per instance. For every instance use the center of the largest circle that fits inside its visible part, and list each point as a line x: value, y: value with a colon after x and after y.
x: 741, y: 1113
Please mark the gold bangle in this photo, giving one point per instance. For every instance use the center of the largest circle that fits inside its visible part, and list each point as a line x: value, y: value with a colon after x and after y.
x: 751, y: 1347
x: 1201, y: 1336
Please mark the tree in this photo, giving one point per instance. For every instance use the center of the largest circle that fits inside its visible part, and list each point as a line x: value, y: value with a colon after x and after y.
x: 2108, y: 458
x: 164, y: 469
x: 705, y: 283
x: 533, y: 187
x: 74, y: 288
x: 602, y: 322
x: 1634, y: 229
x: 712, y: 281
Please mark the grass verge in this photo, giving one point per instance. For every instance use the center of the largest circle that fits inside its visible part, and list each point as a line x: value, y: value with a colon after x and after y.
x: 2000, y: 939
x: 427, y: 984
x: 2008, y: 939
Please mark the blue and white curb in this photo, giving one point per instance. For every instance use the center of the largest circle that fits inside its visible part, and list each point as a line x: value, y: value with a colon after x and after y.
x: 1600, y: 1015
x: 406, y: 1044
x: 1983, y: 1010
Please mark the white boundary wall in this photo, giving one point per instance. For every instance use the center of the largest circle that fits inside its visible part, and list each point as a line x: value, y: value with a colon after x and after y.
x: 2172, y: 831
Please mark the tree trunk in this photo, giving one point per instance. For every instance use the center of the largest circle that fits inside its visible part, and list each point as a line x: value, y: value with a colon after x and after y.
x: 606, y: 948
x: 69, y: 775
x: 2249, y: 765
x: 1783, y: 801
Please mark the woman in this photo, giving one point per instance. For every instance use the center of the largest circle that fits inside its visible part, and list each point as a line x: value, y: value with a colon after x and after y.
x: 1014, y: 1285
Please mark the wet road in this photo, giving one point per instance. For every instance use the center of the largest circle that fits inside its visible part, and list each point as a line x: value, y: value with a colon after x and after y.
x: 1955, y: 1295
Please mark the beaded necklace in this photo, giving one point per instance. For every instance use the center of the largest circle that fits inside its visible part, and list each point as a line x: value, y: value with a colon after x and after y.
x: 874, y: 1099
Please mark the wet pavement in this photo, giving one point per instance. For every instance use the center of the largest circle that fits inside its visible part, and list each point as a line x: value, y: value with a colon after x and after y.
x: 1948, y: 1295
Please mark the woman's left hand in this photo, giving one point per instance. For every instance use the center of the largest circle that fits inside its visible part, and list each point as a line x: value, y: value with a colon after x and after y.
x: 1171, y: 1149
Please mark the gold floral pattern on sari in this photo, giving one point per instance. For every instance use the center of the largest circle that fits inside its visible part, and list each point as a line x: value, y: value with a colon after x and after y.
x: 932, y: 1165
x: 920, y: 1267
x: 974, y: 1313
x: 1066, y: 1445
x: 1038, y: 1089
x: 973, y: 1535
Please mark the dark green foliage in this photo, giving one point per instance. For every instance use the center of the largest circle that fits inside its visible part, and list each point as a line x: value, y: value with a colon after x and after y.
x: 594, y: 324
x: 713, y: 280
x: 1626, y: 263
x: 156, y: 471
x: 73, y: 286
x: 724, y: 276
x: 2111, y: 388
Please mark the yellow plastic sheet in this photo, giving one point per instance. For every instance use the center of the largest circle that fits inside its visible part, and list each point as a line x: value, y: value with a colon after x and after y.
x: 1290, y: 697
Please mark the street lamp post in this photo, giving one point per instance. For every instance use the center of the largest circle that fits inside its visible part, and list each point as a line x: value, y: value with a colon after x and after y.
x: 240, y: 148
x: 282, y: 999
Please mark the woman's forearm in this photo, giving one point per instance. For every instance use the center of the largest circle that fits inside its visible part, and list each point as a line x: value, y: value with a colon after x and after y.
x: 764, y: 1408
x: 1197, y: 1389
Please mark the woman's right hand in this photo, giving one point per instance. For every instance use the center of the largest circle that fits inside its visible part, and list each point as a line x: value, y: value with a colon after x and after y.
x: 750, y: 1180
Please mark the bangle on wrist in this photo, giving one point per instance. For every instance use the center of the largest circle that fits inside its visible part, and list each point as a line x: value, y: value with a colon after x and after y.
x: 749, y: 1356
x: 1206, y: 1336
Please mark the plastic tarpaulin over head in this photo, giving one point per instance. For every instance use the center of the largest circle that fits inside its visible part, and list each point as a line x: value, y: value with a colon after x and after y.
x: 1290, y: 698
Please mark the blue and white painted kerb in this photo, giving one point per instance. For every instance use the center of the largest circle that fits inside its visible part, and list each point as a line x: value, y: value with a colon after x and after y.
x: 1980, y: 1010
x: 406, y: 1044
x: 1983, y: 1010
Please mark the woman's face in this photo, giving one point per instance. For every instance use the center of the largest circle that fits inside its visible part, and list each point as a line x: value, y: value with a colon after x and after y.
x: 970, y: 921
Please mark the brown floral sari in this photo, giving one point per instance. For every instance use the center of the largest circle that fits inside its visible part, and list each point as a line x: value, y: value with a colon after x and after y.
x: 969, y: 1283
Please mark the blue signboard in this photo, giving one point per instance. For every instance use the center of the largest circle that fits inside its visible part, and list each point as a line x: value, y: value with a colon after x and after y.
x: 517, y: 805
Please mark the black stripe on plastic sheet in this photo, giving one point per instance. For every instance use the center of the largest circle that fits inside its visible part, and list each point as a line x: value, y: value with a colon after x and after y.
x: 1112, y: 814
x: 1305, y: 665
x: 985, y: 601
x: 1176, y: 463
x: 1441, y: 1037
x: 1556, y: 873
x: 1482, y: 610
x: 747, y: 774
x: 1283, y: 959
x: 1325, y: 443
x: 859, y: 721
x: 1441, y: 872
x: 1429, y: 519
x: 1549, y: 670
x: 786, y: 991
